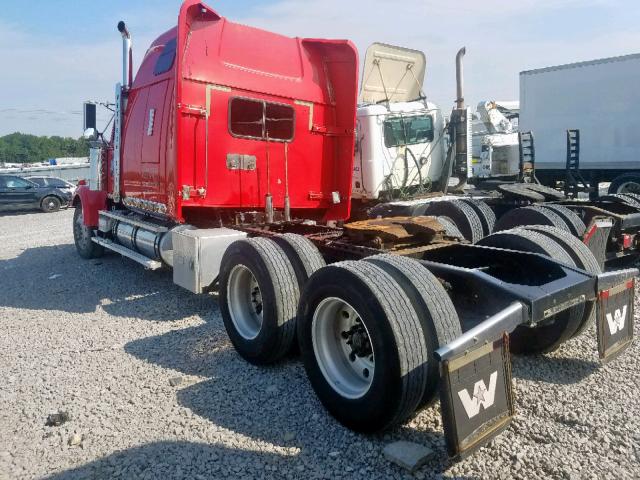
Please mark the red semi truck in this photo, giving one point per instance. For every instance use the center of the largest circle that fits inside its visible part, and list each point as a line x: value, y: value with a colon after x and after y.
x: 231, y: 160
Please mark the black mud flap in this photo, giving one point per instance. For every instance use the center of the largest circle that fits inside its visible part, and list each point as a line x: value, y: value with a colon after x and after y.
x: 476, y: 397
x: 615, y: 320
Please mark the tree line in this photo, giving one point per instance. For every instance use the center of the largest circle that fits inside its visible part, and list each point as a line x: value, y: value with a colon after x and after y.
x: 24, y: 148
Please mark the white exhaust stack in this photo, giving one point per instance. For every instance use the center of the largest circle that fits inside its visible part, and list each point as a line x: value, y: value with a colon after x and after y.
x: 127, y: 73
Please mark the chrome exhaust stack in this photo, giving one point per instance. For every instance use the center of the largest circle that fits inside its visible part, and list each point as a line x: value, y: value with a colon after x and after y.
x: 460, y: 78
x: 127, y: 73
x: 458, y: 160
x: 121, y: 105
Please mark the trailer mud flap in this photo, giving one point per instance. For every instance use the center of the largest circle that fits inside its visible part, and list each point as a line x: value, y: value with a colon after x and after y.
x: 615, y: 320
x: 476, y: 397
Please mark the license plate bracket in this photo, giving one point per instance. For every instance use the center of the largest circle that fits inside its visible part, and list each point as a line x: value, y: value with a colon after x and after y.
x: 476, y: 397
x: 615, y: 316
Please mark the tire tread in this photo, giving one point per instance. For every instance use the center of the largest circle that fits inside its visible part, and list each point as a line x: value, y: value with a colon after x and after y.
x: 434, y: 307
x: 484, y: 212
x: 407, y: 333
x: 571, y: 218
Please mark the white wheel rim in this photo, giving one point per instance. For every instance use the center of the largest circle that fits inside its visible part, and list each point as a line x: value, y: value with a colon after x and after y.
x: 629, y: 187
x: 342, y: 346
x: 244, y: 299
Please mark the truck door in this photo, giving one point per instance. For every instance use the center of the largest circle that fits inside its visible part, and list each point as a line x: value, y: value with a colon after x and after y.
x: 154, y: 132
x: 262, y: 128
x: 132, y: 138
x: 245, y: 148
x: 224, y: 154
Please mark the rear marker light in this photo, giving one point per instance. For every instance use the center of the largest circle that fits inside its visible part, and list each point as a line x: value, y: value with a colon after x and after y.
x: 612, y: 291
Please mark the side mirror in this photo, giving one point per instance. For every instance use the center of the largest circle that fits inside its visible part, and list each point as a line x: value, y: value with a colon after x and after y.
x: 89, y: 116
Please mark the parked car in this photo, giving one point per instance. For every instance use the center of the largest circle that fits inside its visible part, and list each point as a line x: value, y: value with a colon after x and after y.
x: 53, y: 182
x: 17, y: 193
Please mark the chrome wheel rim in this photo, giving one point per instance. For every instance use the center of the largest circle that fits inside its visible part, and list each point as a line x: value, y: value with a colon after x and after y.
x: 629, y: 187
x: 244, y: 299
x: 343, y: 348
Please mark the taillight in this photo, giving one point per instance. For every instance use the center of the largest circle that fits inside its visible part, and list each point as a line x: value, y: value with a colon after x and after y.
x: 604, y: 294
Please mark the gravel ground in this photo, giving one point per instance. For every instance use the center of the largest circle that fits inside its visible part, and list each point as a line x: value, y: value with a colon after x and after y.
x: 155, y: 390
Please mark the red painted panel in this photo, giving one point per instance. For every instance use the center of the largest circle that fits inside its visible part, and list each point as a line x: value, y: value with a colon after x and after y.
x: 92, y: 202
x: 132, y: 138
x: 318, y: 78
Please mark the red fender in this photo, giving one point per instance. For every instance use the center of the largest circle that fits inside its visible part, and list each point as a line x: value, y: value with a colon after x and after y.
x: 92, y: 201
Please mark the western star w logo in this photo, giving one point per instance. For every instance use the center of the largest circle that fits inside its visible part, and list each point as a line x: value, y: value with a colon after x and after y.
x: 482, y: 396
x: 616, y: 321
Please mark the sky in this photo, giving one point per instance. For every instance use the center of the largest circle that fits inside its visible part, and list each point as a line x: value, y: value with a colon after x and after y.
x: 55, y: 54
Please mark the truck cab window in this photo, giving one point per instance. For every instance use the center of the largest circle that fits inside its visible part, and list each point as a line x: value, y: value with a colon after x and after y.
x: 412, y: 130
x: 279, y: 121
x: 166, y: 58
x: 246, y: 118
x: 261, y: 120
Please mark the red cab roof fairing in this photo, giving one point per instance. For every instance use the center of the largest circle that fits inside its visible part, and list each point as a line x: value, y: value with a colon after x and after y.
x: 318, y: 77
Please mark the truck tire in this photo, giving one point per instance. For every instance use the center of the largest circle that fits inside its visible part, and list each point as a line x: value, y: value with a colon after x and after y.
x: 435, y: 310
x: 547, y: 192
x: 635, y: 196
x: 632, y: 198
x: 384, y: 210
x: 621, y: 198
x: 450, y: 228
x: 626, y: 183
x: 520, y: 192
x: 362, y: 345
x: 548, y: 336
x: 532, y: 215
x: 465, y: 218
x: 82, y: 235
x: 582, y: 257
x: 258, y: 298
x: 484, y: 212
x: 50, y: 204
x: 571, y: 218
x: 303, y: 255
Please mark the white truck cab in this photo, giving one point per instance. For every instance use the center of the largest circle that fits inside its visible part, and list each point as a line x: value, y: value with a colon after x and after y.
x: 400, y: 144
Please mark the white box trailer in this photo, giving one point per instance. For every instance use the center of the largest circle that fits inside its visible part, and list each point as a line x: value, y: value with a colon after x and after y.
x: 600, y: 98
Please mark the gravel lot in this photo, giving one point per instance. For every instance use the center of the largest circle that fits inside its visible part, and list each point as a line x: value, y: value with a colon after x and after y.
x: 155, y: 390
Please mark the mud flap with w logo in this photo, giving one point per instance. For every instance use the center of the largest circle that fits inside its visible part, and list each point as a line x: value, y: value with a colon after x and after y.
x: 476, y: 397
x: 615, y: 320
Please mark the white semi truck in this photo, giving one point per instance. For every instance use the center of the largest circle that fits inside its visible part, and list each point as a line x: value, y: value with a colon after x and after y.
x: 400, y: 144
x: 600, y: 98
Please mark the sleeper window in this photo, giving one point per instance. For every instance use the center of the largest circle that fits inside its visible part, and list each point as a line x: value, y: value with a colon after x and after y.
x: 166, y: 58
x: 261, y: 120
x: 246, y: 118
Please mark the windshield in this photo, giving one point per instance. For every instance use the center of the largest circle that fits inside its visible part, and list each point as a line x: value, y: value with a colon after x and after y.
x: 408, y: 130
